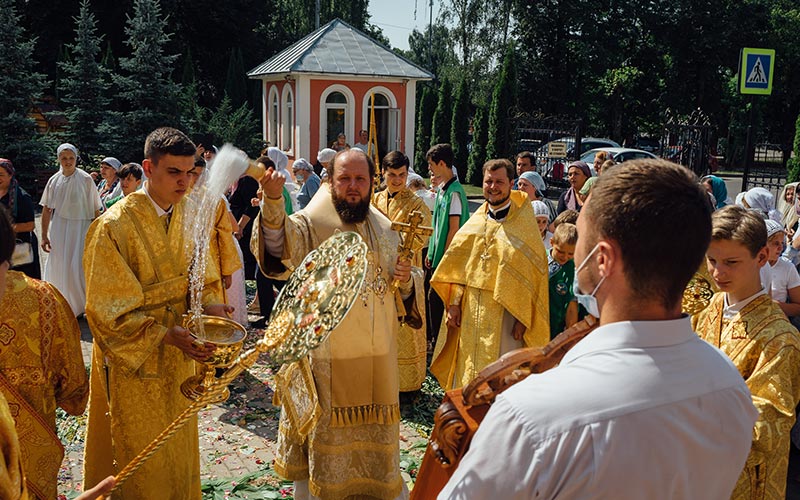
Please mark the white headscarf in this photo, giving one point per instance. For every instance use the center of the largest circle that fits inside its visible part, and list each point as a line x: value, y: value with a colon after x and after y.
x: 760, y: 199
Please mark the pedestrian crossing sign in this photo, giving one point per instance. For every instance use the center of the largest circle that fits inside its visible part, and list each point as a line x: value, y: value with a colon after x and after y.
x: 755, y: 71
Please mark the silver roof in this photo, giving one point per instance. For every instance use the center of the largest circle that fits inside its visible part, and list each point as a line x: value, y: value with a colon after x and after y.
x: 338, y: 48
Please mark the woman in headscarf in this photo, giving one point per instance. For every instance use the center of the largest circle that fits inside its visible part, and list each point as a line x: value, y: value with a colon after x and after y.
x: 717, y: 187
x: 762, y: 200
x: 789, y: 216
x: 110, y: 187
x: 70, y: 202
x: 20, y: 206
x: 577, y: 173
x: 534, y: 186
x: 281, y: 162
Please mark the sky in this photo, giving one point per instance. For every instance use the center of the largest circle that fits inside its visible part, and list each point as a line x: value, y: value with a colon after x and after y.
x: 396, y: 18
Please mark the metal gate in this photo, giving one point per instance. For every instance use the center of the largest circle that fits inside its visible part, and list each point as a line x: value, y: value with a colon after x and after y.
x: 552, y: 140
x: 686, y: 140
x: 768, y: 169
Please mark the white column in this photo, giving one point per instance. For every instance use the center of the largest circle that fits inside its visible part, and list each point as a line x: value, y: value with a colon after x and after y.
x: 302, y: 123
x: 410, y: 117
x: 264, y: 103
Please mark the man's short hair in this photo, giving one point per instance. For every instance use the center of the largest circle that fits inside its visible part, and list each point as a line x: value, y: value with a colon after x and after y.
x: 643, y: 207
x: 199, y: 161
x: 133, y: 169
x: 565, y: 234
x: 567, y: 216
x: 500, y: 163
x: 528, y: 155
x: 735, y: 223
x: 7, y: 238
x: 167, y: 141
x: 395, y: 159
x: 355, y: 151
x: 440, y: 152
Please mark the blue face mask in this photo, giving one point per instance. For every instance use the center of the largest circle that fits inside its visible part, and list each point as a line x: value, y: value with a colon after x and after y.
x: 589, y: 302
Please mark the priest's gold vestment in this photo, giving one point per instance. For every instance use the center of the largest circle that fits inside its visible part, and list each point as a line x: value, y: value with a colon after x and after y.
x: 348, y: 443
x: 765, y: 348
x: 12, y: 476
x: 498, y: 267
x: 137, y: 288
x: 411, y: 342
x: 40, y: 357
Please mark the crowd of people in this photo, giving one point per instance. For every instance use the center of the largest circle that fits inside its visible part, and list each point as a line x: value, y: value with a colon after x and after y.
x: 652, y: 404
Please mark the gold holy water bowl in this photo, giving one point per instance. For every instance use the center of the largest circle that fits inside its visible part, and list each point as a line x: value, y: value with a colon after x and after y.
x: 228, y: 338
x: 225, y: 334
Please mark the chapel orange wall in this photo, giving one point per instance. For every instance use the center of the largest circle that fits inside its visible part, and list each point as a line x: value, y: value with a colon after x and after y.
x: 359, y: 89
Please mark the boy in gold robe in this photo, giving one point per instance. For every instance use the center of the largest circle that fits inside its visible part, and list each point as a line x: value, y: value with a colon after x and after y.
x: 137, y: 282
x: 493, y: 280
x: 346, y: 443
x: 744, y: 322
x: 397, y: 202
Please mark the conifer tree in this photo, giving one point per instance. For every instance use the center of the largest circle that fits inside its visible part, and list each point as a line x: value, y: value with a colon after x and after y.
x: 477, y: 156
x: 236, y: 81
x: 19, y: 86
x: 148, y: 94
x: 85, y: 85
x: 440, y: 130
x: 504, y: 99
x: 459, y: 128
x: 427, y: 104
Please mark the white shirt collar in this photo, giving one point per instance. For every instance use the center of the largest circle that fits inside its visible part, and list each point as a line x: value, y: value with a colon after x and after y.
x: 633, y: 334
x: 731, y: 310
x: 159, y: 211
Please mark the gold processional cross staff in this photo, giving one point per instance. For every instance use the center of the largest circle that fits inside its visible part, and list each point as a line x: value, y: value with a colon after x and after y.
x: 408, y: 233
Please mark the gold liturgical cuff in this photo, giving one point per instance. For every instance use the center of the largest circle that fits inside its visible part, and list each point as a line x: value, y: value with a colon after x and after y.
x: 272, y: 211
x: 456, y: 293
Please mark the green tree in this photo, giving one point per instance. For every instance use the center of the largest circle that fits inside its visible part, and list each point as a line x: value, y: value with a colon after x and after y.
x: 794, y: 162
x: 237, y: 126
x: 146, y: 89
x: 459, y: 128
x: 85, y: 85
x: 477, y: 156
x: 19, y: 140
x: 442, y: 117
x: 504, y: 101
x: 427, y: 105
x: 236, y: 82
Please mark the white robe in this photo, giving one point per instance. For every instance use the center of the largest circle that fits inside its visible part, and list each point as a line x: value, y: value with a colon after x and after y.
x: 74, y: 201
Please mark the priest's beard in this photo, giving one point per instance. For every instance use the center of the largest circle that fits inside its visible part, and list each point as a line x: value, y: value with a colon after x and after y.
x: 351, y: 213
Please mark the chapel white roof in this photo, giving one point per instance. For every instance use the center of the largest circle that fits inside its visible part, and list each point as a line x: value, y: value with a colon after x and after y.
x: 338, y: 48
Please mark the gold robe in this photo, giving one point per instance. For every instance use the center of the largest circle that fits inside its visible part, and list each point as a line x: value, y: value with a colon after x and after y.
x: 350, y: 443
x: 40, y: 357
x: 495, y: 267
x: 137, y: 288
x: 223, y: 257
x: 765, y: 348
x: 411, y: 342
x: 12, y: 477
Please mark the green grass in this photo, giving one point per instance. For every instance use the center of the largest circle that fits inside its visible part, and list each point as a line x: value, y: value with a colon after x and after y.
x: 472, y: 190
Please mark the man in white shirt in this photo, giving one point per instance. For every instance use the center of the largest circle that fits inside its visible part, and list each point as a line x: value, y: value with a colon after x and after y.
x: 363, y: 141
x: 641, y: 407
